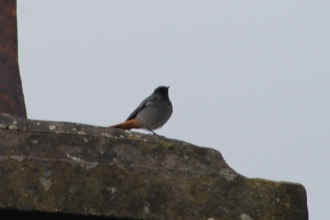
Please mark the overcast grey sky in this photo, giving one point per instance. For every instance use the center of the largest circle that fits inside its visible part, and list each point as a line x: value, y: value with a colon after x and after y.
x: 248, y: 78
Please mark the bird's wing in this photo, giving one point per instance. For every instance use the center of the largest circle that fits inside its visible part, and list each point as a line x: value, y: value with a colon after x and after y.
x: 143, y: 105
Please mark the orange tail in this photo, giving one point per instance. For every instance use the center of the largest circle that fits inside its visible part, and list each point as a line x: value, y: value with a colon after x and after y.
x: 127, y: 125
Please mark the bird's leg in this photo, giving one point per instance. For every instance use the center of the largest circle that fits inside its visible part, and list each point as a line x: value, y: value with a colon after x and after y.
x: 152, y: 131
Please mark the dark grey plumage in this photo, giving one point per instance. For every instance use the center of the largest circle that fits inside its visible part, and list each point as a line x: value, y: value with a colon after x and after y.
x: 154, y: 111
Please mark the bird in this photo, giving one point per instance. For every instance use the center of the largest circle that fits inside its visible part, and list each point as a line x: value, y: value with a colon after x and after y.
x: 153, y: 112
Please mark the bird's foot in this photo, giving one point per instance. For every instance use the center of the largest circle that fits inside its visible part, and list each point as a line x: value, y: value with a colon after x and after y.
x: 154, y: 133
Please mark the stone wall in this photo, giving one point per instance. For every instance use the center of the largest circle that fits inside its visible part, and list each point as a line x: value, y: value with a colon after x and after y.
x: 79, y: 169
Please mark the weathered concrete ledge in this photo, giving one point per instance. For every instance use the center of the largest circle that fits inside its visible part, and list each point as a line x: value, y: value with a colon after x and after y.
x: 81, y: 169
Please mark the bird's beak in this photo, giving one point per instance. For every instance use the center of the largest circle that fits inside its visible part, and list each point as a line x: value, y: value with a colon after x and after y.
x: 168, y: 87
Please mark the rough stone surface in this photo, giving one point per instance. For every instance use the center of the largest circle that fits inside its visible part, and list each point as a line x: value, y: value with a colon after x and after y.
x: 80, y: 169
x: 11, y: 93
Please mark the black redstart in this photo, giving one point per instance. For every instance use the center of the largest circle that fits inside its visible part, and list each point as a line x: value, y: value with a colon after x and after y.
x: 152, y: 113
